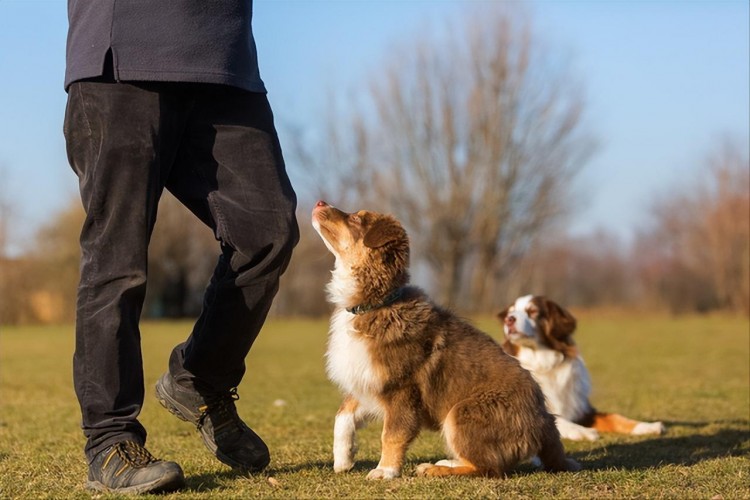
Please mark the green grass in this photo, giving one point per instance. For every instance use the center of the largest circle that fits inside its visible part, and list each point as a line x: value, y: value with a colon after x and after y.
x: 692, y: 373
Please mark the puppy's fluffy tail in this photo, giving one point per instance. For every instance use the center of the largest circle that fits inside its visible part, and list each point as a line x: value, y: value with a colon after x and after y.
x: 552, y: 453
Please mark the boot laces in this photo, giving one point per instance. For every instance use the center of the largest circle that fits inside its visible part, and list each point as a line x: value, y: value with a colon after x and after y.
x: 222, y: 410
x: 132, y: 454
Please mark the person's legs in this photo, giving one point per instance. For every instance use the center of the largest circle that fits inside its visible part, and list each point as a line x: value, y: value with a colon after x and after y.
x: 120, y: 140
x: 230, y: 172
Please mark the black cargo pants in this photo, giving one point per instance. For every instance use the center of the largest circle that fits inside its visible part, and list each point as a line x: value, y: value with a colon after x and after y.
x: 216, y: 149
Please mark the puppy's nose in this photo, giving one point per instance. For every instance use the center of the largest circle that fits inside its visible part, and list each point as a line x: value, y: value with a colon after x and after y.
x: 510, y: 320
x: 321, y: 203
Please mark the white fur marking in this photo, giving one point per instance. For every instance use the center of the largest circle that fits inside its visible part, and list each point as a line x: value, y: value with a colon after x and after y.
x: 565, y: 381
x: 575, y: 432
x: 343, y: 286
x: 648, y: 428
x: 524, y: 328
x: 522, y: 302
x: 383, y: 473
x: 316, y: 225
x: 449, y: 463
x: 344, y: 442
x: 348, y: 362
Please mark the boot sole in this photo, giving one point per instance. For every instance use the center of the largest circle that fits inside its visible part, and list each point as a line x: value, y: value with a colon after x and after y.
x: 175, y: 408
x: 161, y: 485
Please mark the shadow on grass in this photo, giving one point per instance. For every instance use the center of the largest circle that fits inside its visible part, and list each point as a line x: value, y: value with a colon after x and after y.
x: 670, y: 424
x: 211, y: 480
x: 359, y: 466
x: 707, y: 441
x: 671, y: 450
x: 215, y: 480
x: 731, y: 441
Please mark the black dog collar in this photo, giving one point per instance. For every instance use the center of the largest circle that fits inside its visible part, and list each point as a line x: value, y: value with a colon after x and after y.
x: 388, y: 300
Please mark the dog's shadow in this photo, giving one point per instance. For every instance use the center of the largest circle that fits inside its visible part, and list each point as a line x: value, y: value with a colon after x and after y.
x: 627, y: 453
x: 731, y: 441
x: 359, y: 466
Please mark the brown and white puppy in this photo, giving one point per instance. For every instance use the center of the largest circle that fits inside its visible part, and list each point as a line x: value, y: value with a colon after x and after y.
x: 539, y: 333
x: 398, y: 356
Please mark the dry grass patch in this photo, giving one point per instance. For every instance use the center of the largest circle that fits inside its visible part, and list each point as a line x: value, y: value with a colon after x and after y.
x: 691, y: 372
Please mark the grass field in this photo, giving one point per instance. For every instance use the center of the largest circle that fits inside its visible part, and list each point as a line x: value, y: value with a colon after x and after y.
x: 693, y: 373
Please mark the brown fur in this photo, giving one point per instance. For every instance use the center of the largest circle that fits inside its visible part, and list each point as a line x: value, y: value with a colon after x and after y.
x: 435, y: 370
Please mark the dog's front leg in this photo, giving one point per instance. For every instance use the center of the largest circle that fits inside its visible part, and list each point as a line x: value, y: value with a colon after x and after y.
x: 400, y: 427
x: 349, y: 418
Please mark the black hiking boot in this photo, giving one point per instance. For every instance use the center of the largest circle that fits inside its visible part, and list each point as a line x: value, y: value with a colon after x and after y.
x: 215, y: 416
x: 127, y: 467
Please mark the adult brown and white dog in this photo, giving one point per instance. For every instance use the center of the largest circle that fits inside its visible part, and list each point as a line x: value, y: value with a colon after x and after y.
x: 539, y: 333
x: 398, y: 356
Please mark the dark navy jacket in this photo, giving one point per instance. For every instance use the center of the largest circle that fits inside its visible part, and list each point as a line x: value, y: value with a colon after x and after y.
x: 208, y: 41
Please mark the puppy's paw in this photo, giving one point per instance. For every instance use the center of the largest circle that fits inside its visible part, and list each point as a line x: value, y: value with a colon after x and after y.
x: 643, y: 428
x: 571, y: 465
x: 589, y: 434
x: 383, y: 473
x: 423, y: 468
x: 579, y: 433
x: 575, y: 432
x: 343, y: 455
x: 563, y: 464
x: 448, y: 463
x: 342, y: 465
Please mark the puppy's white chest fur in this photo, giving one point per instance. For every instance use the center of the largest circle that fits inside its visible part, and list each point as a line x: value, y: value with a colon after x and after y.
x: 348, y: 361
x: 349, y: 365
x: 565, y: 381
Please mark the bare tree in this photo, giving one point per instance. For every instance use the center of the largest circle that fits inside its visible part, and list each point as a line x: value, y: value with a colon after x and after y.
x: 5, y: 262
x: 727, y: 224
x: 182, y: 255
x: 302, y: 287
x: 56, y: 256
x: 473, y: 140
x: 584, y: 271
x: 696, y: 255
x: 5, y: 211
x: 15, y: 284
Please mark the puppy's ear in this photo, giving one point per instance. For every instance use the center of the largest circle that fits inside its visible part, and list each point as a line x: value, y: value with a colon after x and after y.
x: 559, y: 327
x: 562, y: 323
x: 382, y: 232
x: 503, y: 314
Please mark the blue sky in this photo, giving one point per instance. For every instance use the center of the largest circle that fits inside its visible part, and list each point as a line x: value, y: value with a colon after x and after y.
x: 664, y: 81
